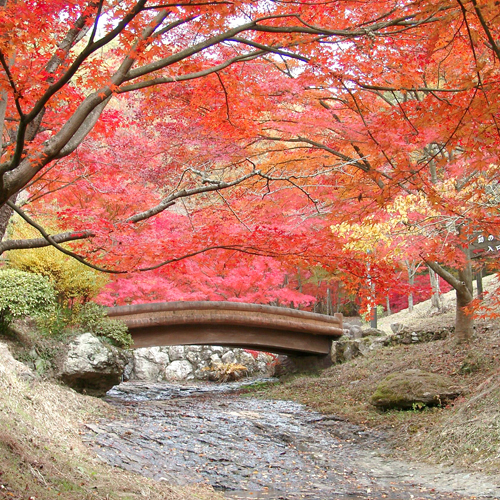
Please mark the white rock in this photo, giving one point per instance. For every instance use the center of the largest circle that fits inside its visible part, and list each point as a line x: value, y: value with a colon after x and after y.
x: 91, y: 365
x: 193, y: 357
x: 215, y: 359
x: 228, y: 357
x: 179, y: 370
x: 86, y: 353
x: 176, y: 352
x: 246, y: 359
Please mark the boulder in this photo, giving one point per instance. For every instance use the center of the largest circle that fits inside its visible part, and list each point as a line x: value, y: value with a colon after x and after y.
x: 147, y: 363
x: 372, y: 332
x: 179, y: 370
x: 92, y: 366
x: 396, y: 327
x: 176, y: 352
x: 412, y: 389
x: 266, y: 364
x: 248, y: 360
x: 346, y: 349
x: 352, y: 331
x: 228, y: 357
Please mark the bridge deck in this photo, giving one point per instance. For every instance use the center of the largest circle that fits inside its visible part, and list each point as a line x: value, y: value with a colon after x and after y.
x: 256, y: 326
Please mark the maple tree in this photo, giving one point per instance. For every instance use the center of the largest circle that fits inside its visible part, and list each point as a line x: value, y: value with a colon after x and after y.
x: 422, y: 122
x: 115, y: 114
x: 64, y: 62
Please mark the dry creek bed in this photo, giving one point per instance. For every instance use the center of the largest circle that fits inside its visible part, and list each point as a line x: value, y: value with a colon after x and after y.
x: 252, y: 448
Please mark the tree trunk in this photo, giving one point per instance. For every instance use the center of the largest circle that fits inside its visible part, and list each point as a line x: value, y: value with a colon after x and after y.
x: 5, y: 215
x: 479, y: 283
x: 411, y: 268
x: 436, y: 301
x: 464, y: 323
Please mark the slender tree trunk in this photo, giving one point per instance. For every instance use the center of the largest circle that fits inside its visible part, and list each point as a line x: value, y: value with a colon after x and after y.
x: 299, y: 280
x: 388, y: 305
x: 410, y: 266
x: 464, y: 323
x: 436, y: 300
x: 479, y: 283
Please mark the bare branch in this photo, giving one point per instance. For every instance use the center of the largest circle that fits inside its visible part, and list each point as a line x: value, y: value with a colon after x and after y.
x: 270, y: 48
x: 184, y: 193
x: 188, y: 76
x: 226, y: 95
x: 24, y: 244
x: 495, y: 46
x: 319, y: 145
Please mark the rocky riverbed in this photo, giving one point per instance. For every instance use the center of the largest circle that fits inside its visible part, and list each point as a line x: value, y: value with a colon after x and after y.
x: 252, y: 448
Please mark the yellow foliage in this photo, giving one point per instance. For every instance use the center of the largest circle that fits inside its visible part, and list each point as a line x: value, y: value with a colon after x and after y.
x: 74, y: 282
x: 224, y: 372
x: 373, y: 234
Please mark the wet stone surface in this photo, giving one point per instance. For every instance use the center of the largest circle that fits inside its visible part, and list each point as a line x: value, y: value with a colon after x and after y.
x: 250, y: 448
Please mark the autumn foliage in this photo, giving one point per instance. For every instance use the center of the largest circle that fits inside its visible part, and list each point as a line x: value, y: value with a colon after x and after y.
x: 262, y: 140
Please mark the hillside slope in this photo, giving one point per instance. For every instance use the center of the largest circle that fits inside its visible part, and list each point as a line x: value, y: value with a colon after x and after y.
x: 424, y: 318
x: 42, y: 455
x: 465, y: 433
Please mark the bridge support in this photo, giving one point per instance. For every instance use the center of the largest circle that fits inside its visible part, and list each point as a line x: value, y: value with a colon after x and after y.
x: 293, y: 363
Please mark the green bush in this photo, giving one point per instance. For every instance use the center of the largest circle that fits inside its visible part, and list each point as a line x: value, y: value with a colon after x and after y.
x: 92, y: 318
x: 57, y: 322
x: 74, y: 282
x: 24, y: 294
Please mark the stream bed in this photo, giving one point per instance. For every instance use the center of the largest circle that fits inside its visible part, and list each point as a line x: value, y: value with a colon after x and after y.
x: 252, y: 448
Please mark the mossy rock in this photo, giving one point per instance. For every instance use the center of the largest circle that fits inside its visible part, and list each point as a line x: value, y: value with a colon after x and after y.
x: 413, y: 389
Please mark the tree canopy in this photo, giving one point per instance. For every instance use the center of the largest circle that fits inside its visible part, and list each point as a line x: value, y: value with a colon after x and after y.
x: 153, y: 131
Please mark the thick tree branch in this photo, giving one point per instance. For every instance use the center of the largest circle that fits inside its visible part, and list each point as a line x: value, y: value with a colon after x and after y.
x: 455, y: 282
x: 47, y: 237
x: 83, y: 130
x: 184, y: 193
x: 189, y: 76
x: 495, y: 46
x: 270, y: 48
x: 43, y: 242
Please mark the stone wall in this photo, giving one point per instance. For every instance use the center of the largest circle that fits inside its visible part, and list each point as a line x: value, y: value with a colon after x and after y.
x: 178, y: 363
x: 358, y: 341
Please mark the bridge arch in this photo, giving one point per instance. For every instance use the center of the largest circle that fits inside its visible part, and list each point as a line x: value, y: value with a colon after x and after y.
x: 235, y: 324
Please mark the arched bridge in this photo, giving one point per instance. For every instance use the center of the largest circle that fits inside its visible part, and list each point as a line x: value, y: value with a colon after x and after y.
x: 253, y: 326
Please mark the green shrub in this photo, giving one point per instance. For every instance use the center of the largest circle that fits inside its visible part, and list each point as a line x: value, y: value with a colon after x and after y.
x: 56, y: 322
x: 74, y: 282
x: 92, y: 318
x: 24, y: 294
